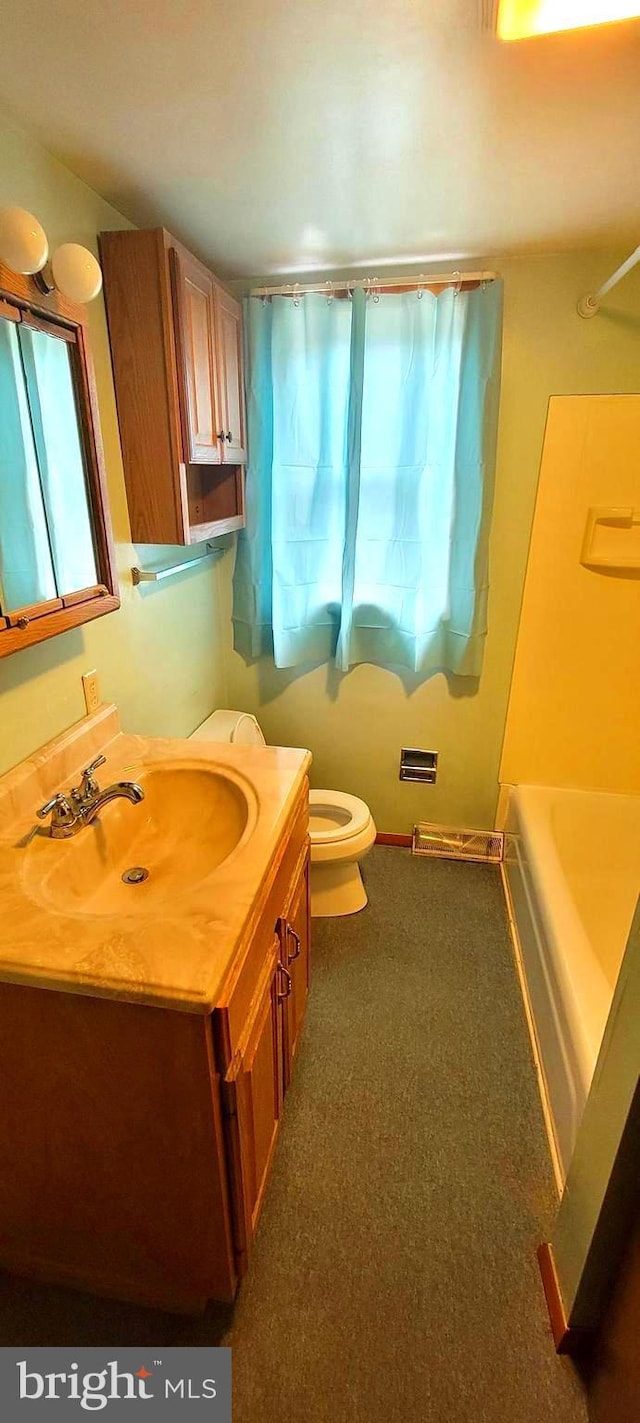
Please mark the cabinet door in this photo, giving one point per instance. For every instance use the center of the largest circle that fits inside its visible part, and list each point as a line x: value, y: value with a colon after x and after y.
x: 294, y: 932
x: 254, y: 1101
x: 193, y: 290
x: 230, y: 377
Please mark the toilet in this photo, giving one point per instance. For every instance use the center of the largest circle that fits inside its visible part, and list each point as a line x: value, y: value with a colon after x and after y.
x: 341, y: 827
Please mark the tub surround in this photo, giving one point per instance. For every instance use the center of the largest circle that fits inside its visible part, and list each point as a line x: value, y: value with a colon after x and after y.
x: 581, y: 625
x: 179, y: 955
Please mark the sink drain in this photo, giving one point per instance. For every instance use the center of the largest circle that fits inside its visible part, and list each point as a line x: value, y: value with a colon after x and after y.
x: 136, y: 875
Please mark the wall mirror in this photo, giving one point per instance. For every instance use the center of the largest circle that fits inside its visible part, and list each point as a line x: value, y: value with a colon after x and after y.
x: 57, y: 565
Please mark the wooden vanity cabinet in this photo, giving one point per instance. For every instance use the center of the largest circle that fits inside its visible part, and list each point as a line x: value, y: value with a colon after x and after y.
x: 136, y: 1141
x: 252, y: 1103
x: 294, y: 938
x: 176, y: 348
x: 259, y: 1043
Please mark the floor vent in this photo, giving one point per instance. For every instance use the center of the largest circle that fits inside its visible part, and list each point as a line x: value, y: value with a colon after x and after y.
x: 442, y: 842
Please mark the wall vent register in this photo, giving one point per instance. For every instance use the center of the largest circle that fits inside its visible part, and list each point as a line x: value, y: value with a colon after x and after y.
x: 445, y: 842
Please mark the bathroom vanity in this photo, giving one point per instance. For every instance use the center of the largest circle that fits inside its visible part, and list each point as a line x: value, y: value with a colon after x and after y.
x: 148, y: 1030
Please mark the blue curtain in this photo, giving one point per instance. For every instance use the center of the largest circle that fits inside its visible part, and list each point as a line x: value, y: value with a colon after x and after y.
x: 372, y: 433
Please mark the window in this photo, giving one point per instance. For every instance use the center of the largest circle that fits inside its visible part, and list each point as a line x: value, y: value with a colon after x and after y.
x: 372, y: 426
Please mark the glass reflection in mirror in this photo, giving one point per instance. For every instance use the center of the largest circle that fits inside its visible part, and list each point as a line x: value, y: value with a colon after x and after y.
x: 46, y: 538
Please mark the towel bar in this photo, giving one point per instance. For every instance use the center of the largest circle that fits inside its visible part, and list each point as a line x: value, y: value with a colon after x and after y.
x: 154, y: 575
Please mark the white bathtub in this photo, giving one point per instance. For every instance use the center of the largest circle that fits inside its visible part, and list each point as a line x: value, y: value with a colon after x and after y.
x: 572, y: 875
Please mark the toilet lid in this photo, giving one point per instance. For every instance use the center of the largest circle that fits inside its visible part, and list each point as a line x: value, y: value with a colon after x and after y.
x: 334, y: 816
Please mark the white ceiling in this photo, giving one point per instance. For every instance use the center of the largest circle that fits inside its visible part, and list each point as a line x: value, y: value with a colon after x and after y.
x: 276, y: 136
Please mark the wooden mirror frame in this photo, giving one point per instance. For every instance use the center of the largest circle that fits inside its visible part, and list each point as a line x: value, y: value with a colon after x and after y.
x: 23, y: 627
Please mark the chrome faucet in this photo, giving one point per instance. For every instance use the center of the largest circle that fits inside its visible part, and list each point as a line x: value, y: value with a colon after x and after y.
x: 84, y: 802
x: 120, y: 790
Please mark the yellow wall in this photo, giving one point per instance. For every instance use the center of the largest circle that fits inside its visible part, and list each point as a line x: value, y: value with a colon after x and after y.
x: 356, y: 724
x: 574, y: 709
x: 165, y: 658
x: 161, y: 656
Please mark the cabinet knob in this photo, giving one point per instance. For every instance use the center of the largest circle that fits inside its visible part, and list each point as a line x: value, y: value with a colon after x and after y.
x: 221, y: 434
x: 229, y: 436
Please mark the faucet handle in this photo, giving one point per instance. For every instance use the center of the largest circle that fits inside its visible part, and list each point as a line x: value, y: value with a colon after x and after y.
x: 88, y: 787
x: 59, y: 808
x: 93, y: 766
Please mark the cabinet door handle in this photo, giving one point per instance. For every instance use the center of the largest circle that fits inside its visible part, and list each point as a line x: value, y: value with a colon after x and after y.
x: 229, y: 436
x: 298, y: 942
x: 221, y: 435
x: 284, y: 992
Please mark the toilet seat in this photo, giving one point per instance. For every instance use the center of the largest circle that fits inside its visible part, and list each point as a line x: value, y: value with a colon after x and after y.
x: 341, y: 827
x: 341, y: 831
x: 334, y: 817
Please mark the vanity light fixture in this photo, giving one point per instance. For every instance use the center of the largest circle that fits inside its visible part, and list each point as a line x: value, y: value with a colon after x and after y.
x: 23, y: 241
x: 76, y: 272
x: 24, y: 248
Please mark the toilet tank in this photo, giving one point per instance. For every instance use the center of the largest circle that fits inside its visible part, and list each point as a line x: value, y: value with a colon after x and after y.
x: 241, y: 728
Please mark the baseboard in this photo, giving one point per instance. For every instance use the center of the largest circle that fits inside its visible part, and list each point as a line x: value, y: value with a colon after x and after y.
x: 567, y: 1339
x: 384, y: 839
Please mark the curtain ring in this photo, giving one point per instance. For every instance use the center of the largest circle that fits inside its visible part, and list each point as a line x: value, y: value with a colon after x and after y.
x: 458, y: 286
x: 376, y: 294
x: 330, y: 292
x: 296, y: 294
x: 420, y: 291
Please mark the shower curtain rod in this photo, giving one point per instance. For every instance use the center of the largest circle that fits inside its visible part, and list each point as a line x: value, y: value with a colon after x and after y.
x: 377, y: 284
x: 589, y: 305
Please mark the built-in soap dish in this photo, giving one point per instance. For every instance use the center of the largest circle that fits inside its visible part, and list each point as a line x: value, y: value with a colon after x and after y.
x: 444, y: 842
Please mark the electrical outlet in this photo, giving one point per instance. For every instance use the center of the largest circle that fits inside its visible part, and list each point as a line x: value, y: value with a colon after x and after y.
x: 91, y: 689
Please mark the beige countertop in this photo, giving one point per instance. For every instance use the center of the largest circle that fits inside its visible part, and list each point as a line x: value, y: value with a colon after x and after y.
x: 178, y: 955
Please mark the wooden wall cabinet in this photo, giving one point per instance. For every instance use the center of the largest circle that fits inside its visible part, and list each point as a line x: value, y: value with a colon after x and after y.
x: 231, y: 377
x: 136, y: 1141
x: 176, y: 348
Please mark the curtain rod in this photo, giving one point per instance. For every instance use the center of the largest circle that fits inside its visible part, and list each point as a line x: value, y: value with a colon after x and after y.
x: 373, y: 284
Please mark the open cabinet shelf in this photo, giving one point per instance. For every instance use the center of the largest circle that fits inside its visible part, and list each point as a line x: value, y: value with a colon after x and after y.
x: 215, y: 499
